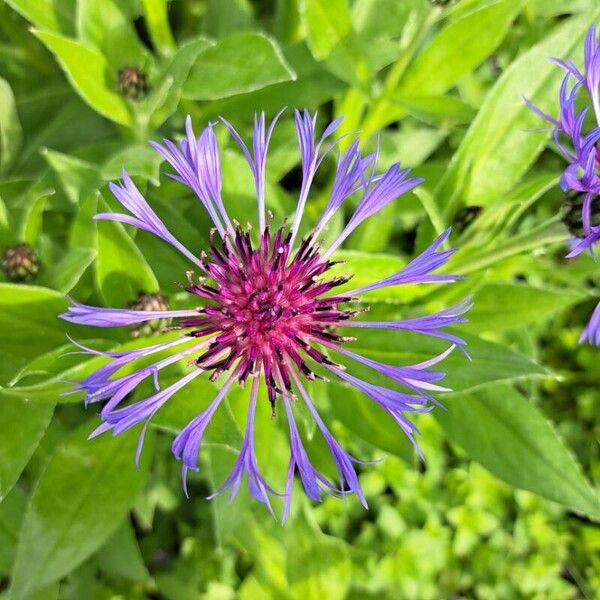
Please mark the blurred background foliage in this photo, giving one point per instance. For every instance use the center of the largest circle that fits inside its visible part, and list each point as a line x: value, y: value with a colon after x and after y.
x: 505, y: 505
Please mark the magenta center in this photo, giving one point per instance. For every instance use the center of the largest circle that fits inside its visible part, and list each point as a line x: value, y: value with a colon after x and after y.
x: 266, y: 309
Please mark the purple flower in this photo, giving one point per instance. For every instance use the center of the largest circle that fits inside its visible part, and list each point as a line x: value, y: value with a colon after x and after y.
x: 579, y: 145
x: 265, y: 311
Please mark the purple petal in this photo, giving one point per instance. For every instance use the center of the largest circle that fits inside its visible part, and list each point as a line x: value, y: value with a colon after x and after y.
x: 591, y: 333
x: 83, y: 314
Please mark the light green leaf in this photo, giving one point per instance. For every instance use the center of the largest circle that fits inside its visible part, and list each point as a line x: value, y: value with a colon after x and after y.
x: 22, y: 424
x: 504, y: 306
x: 499, y: 146
x: 458, y: 48
x: 121, y: 269
x: 89, y: 73
x: 503, y: 431
x: 121, y: 555
x: 65, y: 274
x: 103, y: 25
x: 327, y: 24
x: 53, y: 15
x: 81, y: 498
x: 11, y: 133
x: 320, y: 565
x: 237, y: 64
x: 490, y: 362
x: 162, y: 101
x: 331, y: 37
x: 138, y: 159
x: 30, y: 313
x: 157, y: 19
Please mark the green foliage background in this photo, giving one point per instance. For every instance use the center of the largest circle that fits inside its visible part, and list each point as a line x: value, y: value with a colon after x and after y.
x: 505, y: 505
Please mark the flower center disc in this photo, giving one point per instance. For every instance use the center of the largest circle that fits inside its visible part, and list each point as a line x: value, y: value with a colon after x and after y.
x: 266, y: 309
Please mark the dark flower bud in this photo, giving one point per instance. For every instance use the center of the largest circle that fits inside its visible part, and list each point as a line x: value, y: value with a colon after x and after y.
x: 150, y: 302
x: 21, y: 263
x: 133, y: 83
x: 572, y: 213
x: 466, y: 215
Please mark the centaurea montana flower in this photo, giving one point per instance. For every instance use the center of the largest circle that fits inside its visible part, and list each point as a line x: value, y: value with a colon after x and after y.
x: 578, y: 143
x: 264, y: 311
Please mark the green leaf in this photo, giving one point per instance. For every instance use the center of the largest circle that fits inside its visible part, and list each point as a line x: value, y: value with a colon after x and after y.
x: 489, y: 361
x: 121, y: 555
x: 499, y: 146
x: 121, y: 269
x: 162, y: 101
x: 458, y: 48
x: 320, y: 565
x: 504, y: 306
x: 103, y: 25
x: 27, y: 314
x: 327, y: 24
x: 54, y: 15
x: 503, y: 431
x: 11, y: 133
x: 89, y: 74
x: 12, y: 510
x: 80, y: 499
x: 332, y: 38
x: 221, y: 71
x: 139, y: 160
x: 361, y: 416
x: 64, y: 275
x: 157, y: 20
x: 22, y: 425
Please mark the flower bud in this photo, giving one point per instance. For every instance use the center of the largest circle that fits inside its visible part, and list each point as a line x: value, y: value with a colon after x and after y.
x: 132, y: 83
x: 150, y: 302
x: 21, y: 263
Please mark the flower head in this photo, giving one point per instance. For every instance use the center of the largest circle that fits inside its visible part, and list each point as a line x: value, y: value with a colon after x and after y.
x: 578, y: 142
x: 268, y: 311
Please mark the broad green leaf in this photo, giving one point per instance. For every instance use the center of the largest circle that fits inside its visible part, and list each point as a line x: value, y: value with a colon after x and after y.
x: 162, y: 101
x: 121, y: 269
x: 332, y: 38
x: 138, y: 159
x: 121, y: 555
x: 31, y: 220
x: 500, y: 146
x: 12, y: 509
x: 224, y: 17
x: 11, y: 133
x: 361, y: 416
x: 458, y: 48
x: 237, y: 64
x: 103, y: 25
x: 319, y: 566
x: 435, y: 109
x: 89, y: 73
x: 53, y: 15
x: 490, y: 362
x: 502, y: 306
x: 157, y: 19
x: 503, y: 431
x: 327, y: 24
x: 28, y: 319
x: 477, y: 259
x: 64, y: 275
x: 22, y: 424
x: 81, y: 498
x: 313, y: 86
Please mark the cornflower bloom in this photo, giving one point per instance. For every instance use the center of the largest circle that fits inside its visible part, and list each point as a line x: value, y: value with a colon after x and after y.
x: 576, y: 134
x: 265, y: 312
